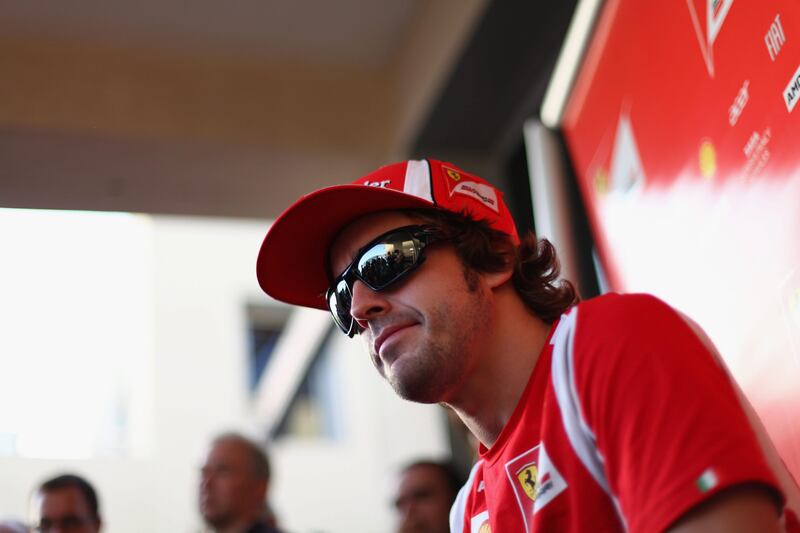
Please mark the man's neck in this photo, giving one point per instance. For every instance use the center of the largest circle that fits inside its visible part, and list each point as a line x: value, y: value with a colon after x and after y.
x: 494, y: 387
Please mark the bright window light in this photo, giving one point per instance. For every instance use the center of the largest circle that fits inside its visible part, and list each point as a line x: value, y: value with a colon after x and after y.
x: 76, y: 334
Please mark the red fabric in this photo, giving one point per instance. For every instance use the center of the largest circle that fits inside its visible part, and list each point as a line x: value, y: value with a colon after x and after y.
x: 667, y: 421
x: 291, y: 264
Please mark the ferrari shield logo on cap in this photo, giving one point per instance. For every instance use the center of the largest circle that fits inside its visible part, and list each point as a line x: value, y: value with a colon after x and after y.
x: 453, y: 174
x: 459, y: 183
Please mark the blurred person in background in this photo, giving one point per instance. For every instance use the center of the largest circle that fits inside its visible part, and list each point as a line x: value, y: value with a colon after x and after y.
x: 66, y: 503
x: 424, y: 494
x: 234, y: 485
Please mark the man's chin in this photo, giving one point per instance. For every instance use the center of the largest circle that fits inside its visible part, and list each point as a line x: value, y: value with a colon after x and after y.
x: 209, y: 514
x: 415, y: 391
x: 216, y: 521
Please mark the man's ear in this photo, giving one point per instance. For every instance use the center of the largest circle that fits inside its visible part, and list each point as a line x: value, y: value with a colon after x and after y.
x: 495, y: 279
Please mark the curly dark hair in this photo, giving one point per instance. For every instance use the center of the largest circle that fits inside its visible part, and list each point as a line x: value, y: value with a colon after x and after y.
x: 484, y: 249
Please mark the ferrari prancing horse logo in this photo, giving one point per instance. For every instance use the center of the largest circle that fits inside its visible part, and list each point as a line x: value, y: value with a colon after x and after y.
x: 528, y: 477
x: 454, y: 175
x: 536, y: 482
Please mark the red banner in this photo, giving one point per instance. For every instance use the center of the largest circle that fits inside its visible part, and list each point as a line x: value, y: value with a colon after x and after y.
x: 683, y: 131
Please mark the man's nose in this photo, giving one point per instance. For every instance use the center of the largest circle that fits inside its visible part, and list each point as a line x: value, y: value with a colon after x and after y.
x: 205, y: 479
x: 367, y: 304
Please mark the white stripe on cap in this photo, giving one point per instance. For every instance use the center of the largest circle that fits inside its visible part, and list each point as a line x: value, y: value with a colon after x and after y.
x: 418, y: 180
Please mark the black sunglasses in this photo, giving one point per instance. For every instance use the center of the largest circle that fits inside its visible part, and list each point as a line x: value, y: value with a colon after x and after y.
x: 382, y: 262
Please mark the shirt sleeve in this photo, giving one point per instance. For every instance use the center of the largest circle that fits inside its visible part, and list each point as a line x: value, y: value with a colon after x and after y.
x: 666, y: 418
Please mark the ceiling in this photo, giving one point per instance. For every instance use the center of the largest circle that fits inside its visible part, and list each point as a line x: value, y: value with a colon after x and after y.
x: 189, y: 108
x: 359, y: 32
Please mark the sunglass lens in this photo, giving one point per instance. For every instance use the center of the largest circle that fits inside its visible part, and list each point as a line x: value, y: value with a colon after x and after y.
x: 339, y: 302
x: 388, y: 260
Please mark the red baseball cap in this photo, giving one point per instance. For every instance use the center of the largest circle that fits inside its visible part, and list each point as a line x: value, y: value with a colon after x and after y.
x: 291, y: 264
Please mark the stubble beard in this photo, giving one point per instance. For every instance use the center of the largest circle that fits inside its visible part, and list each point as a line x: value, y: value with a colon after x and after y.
x: 446, y: 356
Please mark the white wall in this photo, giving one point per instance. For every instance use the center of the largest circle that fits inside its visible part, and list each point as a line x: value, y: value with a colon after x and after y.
x: 196, y: 385
x: 345, y: 486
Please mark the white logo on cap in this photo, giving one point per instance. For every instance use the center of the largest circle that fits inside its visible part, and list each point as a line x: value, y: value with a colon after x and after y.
x: 383, y: 184
x: 480, y: 191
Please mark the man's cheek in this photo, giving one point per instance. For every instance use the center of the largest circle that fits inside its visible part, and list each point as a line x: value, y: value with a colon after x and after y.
x: 373, y: 356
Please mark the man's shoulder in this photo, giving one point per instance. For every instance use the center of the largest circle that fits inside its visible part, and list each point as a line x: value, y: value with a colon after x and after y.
x: 619, y: 302
x: 619, y: 325
x: 617, y: 309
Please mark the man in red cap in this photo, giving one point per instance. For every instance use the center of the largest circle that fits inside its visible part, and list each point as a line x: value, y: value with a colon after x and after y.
x: 605, y: 415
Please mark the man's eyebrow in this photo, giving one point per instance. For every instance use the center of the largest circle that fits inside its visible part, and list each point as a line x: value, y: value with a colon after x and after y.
x: 355, y: 253
x: 352, y: 256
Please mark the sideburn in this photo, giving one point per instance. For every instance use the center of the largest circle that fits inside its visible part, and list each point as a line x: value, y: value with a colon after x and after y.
x: 472, y: 278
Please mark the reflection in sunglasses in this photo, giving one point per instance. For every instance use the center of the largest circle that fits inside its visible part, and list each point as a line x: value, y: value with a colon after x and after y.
x: 384, y: 261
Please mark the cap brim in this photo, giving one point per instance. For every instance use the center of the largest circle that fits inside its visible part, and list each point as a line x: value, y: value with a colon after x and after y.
x: 291, y: 265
